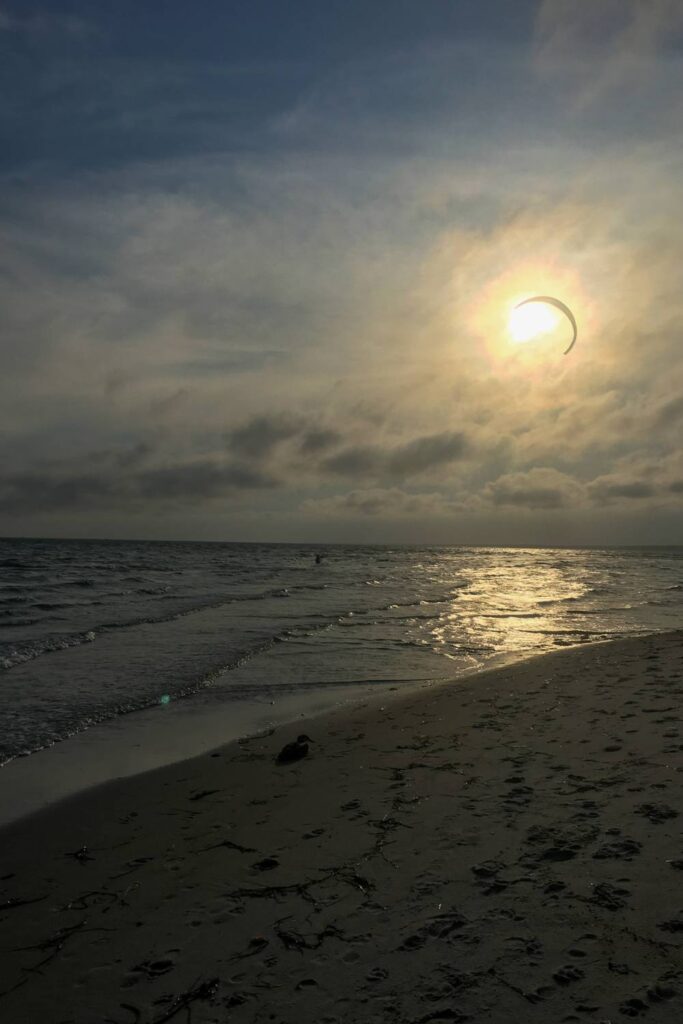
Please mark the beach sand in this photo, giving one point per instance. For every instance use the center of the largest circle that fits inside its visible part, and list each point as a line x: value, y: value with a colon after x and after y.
x: 507, y: 848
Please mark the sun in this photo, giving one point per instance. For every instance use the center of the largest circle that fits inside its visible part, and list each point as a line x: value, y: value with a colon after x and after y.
x: 528, y: 322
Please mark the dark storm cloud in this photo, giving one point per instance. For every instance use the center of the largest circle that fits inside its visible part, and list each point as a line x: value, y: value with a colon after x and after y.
x: 360, y: 460
x: 669, y: 412
x: 203, y: 479
x: 389, y: 502
x: 608, y: 491
x: 120, y: 481
x: 33, y: 493
x: 259, y: 438
x: 539, y: 488
x: 425, y: 452
x: 637, y: 489
x: 120, y: 458
x: 400, y: 462
x: 260, y: 435
x: 314, y: 442
x: 529, y: 497
x: 170, y: 403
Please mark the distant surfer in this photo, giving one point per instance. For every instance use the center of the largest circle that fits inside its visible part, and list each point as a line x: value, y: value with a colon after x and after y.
x: 318, y: 559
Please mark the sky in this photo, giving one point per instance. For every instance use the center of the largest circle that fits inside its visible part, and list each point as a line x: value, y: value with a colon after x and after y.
x: 257, y: 264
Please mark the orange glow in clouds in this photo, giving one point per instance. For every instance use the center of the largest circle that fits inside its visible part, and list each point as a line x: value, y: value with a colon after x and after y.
x: 536, y: 335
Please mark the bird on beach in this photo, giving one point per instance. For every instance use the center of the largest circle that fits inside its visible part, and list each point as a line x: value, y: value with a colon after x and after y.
x: 294, y: 751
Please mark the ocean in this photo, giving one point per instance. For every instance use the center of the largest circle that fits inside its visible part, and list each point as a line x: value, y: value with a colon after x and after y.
x: 91, y: 631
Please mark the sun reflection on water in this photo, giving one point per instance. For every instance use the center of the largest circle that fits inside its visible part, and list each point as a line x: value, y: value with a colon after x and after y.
x: 512, y: 607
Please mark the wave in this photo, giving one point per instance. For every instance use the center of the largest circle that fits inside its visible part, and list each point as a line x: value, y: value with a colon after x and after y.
x: 19, y: 656
x: 16, y: 623
x: 603, y: 611
x: 351, y: 609
x: 83, y: 582
x: 40, y: 648
x: 58, y: 730
x: 509, y: 615
x: 48, y: 606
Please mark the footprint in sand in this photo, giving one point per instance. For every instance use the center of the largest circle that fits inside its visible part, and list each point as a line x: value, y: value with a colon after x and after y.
x: 561, y: 851
x: 654, y: 995
x: 633, y: 1007
x: 519, y: 795
x: 674, y: 924
x: 487, y: 869
x: 621, y: 849
x: 568, y: 974
x: 656, y: 813
x: 440, y: 927
x: 618, y: 968
x: 305, y: 983
x: 267, y: 864
x: 487, y: 877
x: 538, y: 995
x: 661, y: 993
x: 609, y: 897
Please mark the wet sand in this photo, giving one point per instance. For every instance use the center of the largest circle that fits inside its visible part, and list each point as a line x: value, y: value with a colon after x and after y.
x: 507, y: 848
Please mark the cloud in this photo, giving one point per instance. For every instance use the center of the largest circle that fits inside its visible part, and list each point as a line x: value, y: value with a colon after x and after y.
x: 260, y: 435
x: 31, y: 493
x: 605, y: 45
x: 425, y: 453
x: 124, y: 332
x: 400, y: 461
x: 539, y: 488
x: 319, y: 310
x: 613, y: 487
x: 388, y: 503
x: 669, y: 412
x: 201, y: 479
x: 640, y: 480
x: 318, y: 440
x: 120, y: 458
x: 360, y: 460
x: 261, y: 438
x: 121, y: 480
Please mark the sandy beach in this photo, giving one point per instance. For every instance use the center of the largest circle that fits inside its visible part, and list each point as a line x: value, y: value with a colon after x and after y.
x: 507, y: 848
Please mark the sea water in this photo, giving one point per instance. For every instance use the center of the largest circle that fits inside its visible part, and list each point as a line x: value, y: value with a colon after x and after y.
x: 92, y: 631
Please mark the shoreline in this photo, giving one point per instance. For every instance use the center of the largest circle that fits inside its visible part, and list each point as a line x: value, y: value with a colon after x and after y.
x: 482, y: 851
x: 148, y: 740
x: 140, y: 741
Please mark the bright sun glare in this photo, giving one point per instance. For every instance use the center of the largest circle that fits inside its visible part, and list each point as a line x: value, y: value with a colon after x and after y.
x: 527, y: 322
